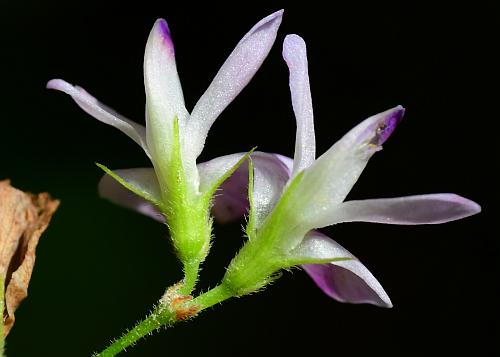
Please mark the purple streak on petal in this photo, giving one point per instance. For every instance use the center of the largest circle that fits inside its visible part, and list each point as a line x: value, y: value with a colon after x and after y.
x: 386, y: 127
x: 343, y: 283
x: 164, y: 97
x: 336, y: 171
x: 166, y: 35
x: 164, y: 28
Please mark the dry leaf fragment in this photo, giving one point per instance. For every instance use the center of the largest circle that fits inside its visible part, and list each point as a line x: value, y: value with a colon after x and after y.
x: 23, y: 218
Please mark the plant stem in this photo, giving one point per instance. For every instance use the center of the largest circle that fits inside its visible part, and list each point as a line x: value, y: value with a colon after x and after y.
x: 191, y: 271
x: 148, y: 325
x: 212, y: 297
x: 166, y: 316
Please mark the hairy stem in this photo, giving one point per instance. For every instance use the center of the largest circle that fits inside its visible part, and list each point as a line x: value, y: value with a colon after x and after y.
x: 191, y: 271
x: 179, y: 308
x: 148, y: 325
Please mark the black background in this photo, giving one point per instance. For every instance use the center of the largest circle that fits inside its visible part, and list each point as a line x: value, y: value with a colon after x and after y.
x: 100, y: 268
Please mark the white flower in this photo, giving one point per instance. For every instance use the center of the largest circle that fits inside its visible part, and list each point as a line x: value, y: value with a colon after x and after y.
x: 173, y: 138
x: 291, y: 198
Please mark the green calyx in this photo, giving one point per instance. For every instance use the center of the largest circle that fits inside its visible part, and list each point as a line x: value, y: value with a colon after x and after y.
x: 187, y: 211
x: 266, y: 252
x: 277, y: 244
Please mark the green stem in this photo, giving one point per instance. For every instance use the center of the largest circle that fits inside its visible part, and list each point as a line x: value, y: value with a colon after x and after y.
x: 212, y: 297
x: 191, y: 270
x: 165, y: 316
x: 148, y: 325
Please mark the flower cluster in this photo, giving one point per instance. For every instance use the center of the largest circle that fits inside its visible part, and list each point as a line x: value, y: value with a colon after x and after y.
x: 286, y: 199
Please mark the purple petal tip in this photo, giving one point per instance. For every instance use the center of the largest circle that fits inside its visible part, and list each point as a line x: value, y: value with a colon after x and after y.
x: 387, y: 126
x: 165, y: 34
x: 165, y: 30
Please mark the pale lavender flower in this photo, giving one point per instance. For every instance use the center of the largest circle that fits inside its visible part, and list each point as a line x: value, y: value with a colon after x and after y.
x: 318, y: 199
x: 165, y: 104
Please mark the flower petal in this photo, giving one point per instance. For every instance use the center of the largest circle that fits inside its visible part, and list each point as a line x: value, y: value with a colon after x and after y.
x: 101, y: 112
x: 143, y: 179
x: 234, y: 75
x: 410, y: 210
x: 231, y: 201
x: 211, y: 171
x: 295, y: 55
x: 230, y: 204
x: 345, y: 280
x: 164, y: 98
x: 215, y: 172
x: 317, y: 248
x: 329, y: 179
x: 271, y: 173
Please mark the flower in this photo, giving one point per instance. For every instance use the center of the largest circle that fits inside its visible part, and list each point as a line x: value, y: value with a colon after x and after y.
x: 173, y: 138
x: 292, y: 198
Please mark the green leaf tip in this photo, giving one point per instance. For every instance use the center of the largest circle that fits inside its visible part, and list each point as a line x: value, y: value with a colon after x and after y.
x: 129, y: 186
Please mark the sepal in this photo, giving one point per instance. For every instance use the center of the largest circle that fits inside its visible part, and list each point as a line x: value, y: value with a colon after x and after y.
x: 142, y: 182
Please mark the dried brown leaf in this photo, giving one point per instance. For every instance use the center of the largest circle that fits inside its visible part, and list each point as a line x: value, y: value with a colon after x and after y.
x: 23, y: 219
